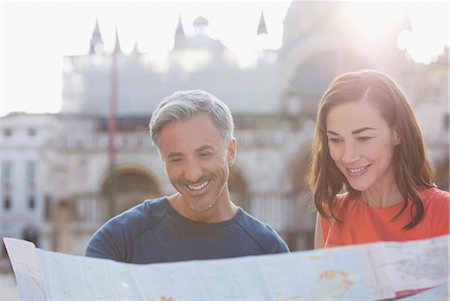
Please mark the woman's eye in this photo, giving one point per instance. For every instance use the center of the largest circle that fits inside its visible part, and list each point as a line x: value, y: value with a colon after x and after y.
x: 335, y: 140
x: 364, y: 139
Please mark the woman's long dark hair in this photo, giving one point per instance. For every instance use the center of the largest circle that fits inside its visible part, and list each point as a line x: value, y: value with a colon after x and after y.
x: 412, y: 167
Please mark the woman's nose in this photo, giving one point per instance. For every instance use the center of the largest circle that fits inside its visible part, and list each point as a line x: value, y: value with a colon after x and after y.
x: 350, y: 154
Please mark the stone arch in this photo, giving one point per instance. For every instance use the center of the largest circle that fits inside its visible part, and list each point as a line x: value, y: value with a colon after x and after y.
x: 131, y: 184
x: 301, y: 236
x: 64, y: 217
x: 432, y: 86
x: 299, y: 165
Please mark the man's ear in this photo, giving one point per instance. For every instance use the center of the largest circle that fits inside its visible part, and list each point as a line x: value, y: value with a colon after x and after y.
x: 163, y: 161
x: 231, y: 151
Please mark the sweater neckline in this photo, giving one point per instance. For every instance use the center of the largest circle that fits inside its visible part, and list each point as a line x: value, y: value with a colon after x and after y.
x: 174, y: 213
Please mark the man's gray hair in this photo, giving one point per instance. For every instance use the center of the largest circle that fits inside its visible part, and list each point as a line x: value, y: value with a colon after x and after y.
x: 181, y: 105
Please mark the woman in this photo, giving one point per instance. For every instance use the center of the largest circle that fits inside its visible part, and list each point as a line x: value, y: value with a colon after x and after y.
x: 370, y: 174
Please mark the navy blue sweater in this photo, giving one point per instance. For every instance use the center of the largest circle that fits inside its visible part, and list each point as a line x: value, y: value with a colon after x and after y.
x: 154, y: 232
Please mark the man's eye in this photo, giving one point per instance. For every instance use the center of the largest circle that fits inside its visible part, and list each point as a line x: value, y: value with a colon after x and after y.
x: 205, y: 154
x: 175, y: 160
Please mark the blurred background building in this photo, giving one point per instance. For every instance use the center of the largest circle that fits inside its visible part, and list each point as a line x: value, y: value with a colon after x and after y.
x: 63, y: 175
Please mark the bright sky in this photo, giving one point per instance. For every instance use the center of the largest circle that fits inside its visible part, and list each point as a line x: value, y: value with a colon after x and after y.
x: 35, y: 35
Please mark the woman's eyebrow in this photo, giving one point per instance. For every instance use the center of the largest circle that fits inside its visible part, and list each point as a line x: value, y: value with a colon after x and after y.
x: 332, y: 133
x: 362, y: 130
x: 353, y: 132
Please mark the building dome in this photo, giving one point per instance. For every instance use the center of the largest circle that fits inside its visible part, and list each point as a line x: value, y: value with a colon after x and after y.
x: 319, y: 43
x: 200, y: 22
x: 303, y: 17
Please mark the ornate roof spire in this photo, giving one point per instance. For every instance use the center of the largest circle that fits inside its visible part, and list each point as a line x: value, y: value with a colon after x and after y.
x: 180, y: 37
x: 180, y: 30
x: 117, y: 46
x: 96, y: 44
x: 135, y: 48
x: 405, y: 23
x: 262, y: 28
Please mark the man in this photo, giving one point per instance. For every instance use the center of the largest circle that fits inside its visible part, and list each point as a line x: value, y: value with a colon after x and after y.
x: 193, y: 132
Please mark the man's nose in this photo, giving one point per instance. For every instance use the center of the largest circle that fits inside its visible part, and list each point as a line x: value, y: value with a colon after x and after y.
x: 193, y: 171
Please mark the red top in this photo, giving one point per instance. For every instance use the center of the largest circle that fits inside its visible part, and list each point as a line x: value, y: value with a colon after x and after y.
x: 363, y: 224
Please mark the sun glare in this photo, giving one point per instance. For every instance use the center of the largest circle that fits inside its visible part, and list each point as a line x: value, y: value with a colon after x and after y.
x: 430, y: 31
x: 372, y: 19
x: 424, y: 41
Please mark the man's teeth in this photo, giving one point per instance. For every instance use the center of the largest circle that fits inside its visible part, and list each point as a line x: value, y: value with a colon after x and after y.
x: 198, y: 187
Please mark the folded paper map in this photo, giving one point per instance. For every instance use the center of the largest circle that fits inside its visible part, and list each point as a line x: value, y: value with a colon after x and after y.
x: 377, y: 271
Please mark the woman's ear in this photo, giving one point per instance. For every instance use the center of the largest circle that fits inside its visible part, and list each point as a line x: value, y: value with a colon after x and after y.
x: 396, y: 137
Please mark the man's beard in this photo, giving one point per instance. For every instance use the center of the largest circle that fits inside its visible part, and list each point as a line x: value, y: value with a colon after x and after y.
x: 199, y: 209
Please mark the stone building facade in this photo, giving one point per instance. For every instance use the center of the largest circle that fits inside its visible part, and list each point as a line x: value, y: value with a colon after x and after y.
x: 57, y: 181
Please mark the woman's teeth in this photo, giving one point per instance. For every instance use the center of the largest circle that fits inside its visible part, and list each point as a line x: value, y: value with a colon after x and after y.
x: 354, y: 170
x: 357, y: 171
